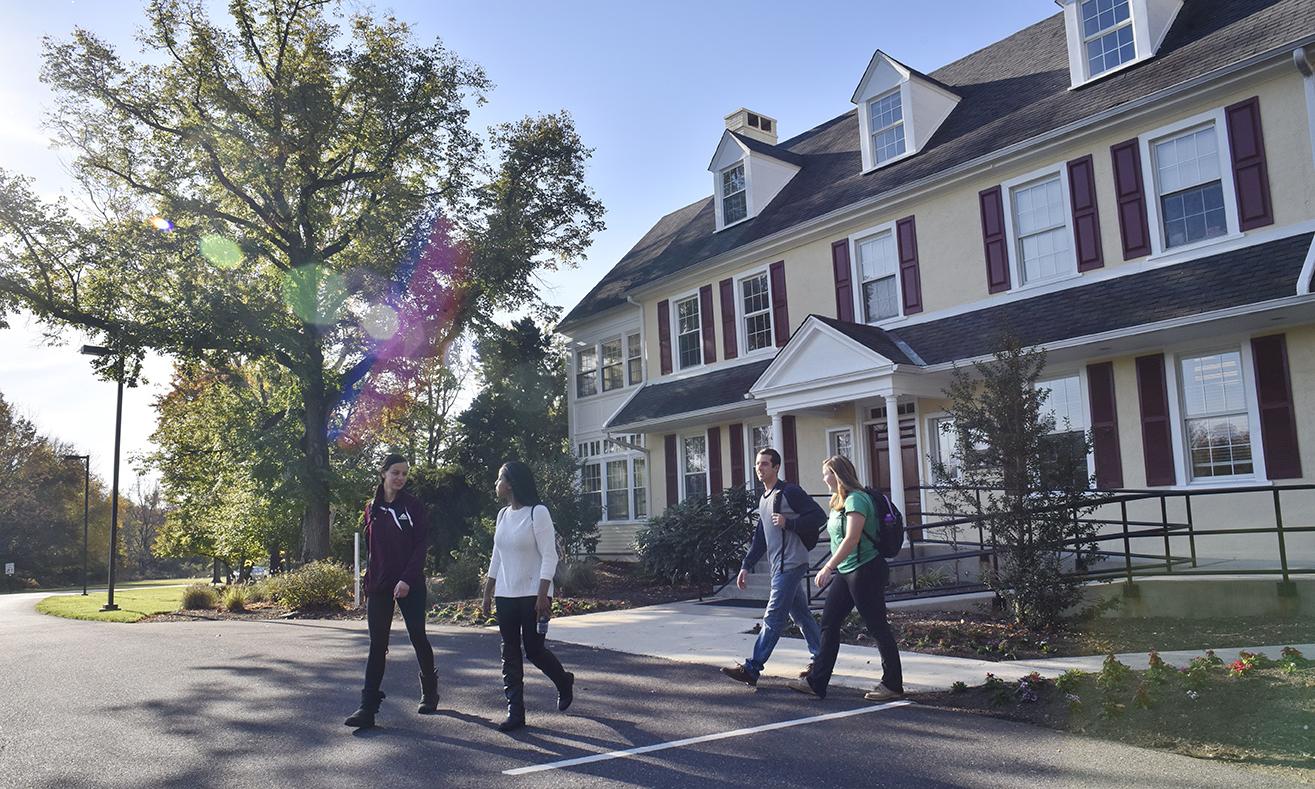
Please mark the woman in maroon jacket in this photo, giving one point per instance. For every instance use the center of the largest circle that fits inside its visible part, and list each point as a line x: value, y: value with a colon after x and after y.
x: 396, y: 532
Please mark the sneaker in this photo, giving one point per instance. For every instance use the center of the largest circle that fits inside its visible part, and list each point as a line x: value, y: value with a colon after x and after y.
x: 803, y: 686
x: 807, y: 670
x: 882, y: 693
x: 741, y: 674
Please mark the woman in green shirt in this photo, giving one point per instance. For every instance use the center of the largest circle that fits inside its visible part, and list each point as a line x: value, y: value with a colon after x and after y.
x: 861, y: 576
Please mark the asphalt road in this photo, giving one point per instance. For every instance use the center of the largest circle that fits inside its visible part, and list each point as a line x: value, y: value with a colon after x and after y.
x: 261, y: 704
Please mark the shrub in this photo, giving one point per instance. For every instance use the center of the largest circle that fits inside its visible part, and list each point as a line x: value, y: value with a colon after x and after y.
x: 575, y: 577
x: 1069, y: 680
x: 235, y: 598
x: 318, y: 584
x: 199, y: 597
x: 258, y: 592
x: 699, y: 540
x: 465, y: 573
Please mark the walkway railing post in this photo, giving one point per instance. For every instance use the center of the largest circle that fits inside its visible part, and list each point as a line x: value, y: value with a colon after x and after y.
x: 1191, y: 529
x: 1164, y: 524
x: 1282, y: 543
x: 1127, y: 544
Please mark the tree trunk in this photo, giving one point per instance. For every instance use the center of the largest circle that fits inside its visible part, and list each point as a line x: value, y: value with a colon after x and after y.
x: 315, y: 524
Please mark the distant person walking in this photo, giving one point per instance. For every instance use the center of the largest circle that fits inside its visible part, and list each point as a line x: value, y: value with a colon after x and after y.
x: 860, y: 581
x: 783, y: 511
x: 397, y: 533
x: 520, y: 581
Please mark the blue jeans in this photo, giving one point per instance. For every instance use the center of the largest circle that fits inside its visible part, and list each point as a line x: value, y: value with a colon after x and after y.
x: 788, y: 599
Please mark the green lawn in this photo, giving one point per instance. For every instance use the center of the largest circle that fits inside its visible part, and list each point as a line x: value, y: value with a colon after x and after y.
x: 134, y: 603
x: 99, y: 583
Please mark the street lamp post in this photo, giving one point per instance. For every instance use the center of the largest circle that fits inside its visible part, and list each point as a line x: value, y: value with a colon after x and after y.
x: 96, y: 350
x: 86, y: 503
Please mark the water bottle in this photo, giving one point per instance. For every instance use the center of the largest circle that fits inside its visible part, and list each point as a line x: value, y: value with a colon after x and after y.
x: 543, y: 625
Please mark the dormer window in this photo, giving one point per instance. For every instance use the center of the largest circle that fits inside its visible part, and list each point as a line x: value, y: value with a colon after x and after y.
x: 734, y: 200
x: 886, y: 119
x: 1107, y: 34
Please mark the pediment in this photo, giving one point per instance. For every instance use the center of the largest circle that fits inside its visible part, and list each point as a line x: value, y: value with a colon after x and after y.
x: 729, y: 151
x: 815, y: 354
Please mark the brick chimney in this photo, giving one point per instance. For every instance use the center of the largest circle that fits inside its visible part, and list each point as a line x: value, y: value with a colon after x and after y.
x: 752, y: 124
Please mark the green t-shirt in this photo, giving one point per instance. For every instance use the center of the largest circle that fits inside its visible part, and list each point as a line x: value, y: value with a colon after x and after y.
x: 866, y: 551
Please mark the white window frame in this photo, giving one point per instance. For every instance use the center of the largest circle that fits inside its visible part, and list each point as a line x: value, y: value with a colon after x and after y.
x: 625, y: 339
x: 597, y: 348
x: 1084, y: 39
x: 751, y: 451
x: 602, y: 388
x: 638, y: 482
x: 1084, y: 397
x: 1178, y: 415
x: 831, y: 433
x: 578, y: 372
x: 707, y: 465
x: 869, y: 154
x: 601, y: 492
x: 902, y: 124
x: 856, y: 274
x: 1018, y: 281
x: 628, y: 487
x: 721, y: 195
x: 934, y: 447
x: 741, y: 331
x: 1150, y: 187
x: 675, y: 330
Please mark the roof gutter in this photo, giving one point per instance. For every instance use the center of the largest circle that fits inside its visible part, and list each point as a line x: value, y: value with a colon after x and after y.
x: 1152, y: 102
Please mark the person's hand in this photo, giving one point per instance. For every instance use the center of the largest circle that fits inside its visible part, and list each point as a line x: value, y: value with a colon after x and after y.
x: 823, y: 576
x: 401, y: 590
x: 778, y: 520
x: 487, y: 607
x: 742, y: 579
x: 543, y: 607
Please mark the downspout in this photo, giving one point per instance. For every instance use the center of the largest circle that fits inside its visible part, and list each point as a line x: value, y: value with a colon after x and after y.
x: 1301, y: 59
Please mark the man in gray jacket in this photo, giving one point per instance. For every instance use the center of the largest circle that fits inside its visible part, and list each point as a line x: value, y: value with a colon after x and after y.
x: 783, y: 511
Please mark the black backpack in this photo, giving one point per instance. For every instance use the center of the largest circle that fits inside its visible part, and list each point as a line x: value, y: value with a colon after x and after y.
x: 890, y: 527
x: 808, y: 526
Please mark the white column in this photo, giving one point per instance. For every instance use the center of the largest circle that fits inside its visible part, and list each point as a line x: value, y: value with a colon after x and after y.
x: 896, y: 455
x: 778, y: 436
x: 860, y: 446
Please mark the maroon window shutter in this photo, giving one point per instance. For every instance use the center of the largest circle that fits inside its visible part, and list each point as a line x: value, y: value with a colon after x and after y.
x: 729, y: 344
x: 906, y: 238
x: 844, y: 280
x: 993, y: 240
x: 1086, y: 219
x: 738, y: 477
x: 664, y: 335
x: 1278, y: 417
x: 673, y: 473
x: 1250, y: 173
x: 789, y: 450
x: 714, y: 461
x: 707, y: 326
x: 1104, y: 426
x: 780, y: 311
x: 1131, y: 197
x: 1157, y: 443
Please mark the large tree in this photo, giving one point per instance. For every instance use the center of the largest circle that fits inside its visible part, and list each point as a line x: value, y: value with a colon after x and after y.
x: 296, y: 186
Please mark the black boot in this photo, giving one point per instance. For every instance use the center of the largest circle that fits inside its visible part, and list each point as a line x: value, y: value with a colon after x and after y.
x: 363, y: 718
x: 515, y: 709
x: 566, y: 692
x: 428, y: 693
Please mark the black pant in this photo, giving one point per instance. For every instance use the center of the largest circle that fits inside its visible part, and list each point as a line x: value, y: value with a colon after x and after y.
x: 518, y: 624
x: 379, y: 617
x: 864, y: 588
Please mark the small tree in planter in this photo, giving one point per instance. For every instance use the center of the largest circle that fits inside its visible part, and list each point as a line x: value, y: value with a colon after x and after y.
x: 699, y: 539
x: 1027, y: 483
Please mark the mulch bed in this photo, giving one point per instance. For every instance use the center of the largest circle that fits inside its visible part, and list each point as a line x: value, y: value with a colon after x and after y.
x: 255, y: 612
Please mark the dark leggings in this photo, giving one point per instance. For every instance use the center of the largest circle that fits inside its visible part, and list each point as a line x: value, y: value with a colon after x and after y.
x: 865, y: 589
x: 379, y: 616
x: 518, y: 625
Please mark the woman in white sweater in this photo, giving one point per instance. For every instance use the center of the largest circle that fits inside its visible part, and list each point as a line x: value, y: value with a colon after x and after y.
x: 520, y: 580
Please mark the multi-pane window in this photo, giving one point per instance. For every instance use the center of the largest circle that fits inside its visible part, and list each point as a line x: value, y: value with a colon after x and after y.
x: 760, y: 438
x: 886, y: 122
x: 586, y: 369
x: 1065, y: 449
x: 591, y: 483
x: 1040, y: 225
x: 943, y: 447
x: 638, y: 476
x: 1107, y: 34
x: 878, y: 263
x: 840, y: 442
x: 689, y: 339
x: 634, y: 359
x: 734, y: 200
x: 694, y: 466
x: 1215, y: 415
x: 1191, y: 193
x: 613, y: 366
x: 756, y: 299
x: 618, y: 490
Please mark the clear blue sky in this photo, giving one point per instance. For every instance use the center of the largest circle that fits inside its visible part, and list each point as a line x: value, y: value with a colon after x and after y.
x: 647, y: 83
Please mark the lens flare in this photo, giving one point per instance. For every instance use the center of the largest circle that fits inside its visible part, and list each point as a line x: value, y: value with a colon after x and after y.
x: 315, y: 294
x: 160, y: 223
x: 221, y: 252
x: 380, y: 321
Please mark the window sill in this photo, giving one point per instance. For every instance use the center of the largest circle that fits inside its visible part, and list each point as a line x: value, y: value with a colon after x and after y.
x: 733, y: 224
x: 1053, y: 282
x: 1186, y: 251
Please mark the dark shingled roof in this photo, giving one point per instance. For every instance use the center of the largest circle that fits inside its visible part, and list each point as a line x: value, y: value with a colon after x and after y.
x: 767, y: 149
x: 879, y: 340
x: 719, y: 387
x: 1013, y: 90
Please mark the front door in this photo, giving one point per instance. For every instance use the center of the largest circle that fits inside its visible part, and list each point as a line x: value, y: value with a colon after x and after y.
x: 879, y: 451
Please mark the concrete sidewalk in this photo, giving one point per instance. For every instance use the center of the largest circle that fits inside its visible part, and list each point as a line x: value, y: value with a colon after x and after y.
x: 718, y: 635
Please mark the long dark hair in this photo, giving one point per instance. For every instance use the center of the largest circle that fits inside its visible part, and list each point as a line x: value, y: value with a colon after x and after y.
x: 521, y: 480
x: 390, y: 461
